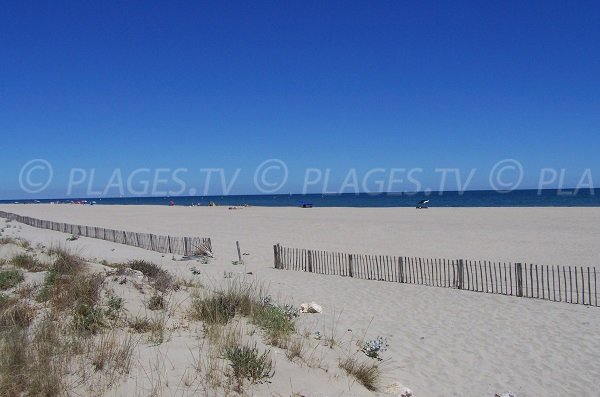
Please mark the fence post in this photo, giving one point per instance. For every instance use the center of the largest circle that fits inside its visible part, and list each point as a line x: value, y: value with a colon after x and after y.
x: 401, y: 266
x: 350, y: 266
x: 519, y: 278
x: 275, y: 257
x: 237, y: 243
x: 461, y: 265
x: 310, y: 262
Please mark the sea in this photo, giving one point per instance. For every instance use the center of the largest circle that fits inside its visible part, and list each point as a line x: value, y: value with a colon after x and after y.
x: 473, y: 198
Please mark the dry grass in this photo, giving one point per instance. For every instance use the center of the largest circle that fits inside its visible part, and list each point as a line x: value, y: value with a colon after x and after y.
x: 69, y: 292
x: 366, y: 373
x: 13, y: 361
x: 33, y: 365
x: 112, y: 353
x: 66, y: 262
x: 295, y: 348
x: 15, y: 314
x: 155, y: 326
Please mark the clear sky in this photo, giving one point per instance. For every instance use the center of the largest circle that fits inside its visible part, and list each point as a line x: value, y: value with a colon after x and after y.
x: 319, y: 84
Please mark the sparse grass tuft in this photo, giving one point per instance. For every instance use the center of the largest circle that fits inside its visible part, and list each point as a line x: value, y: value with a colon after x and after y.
x: 140, y: 325
x: 294, y: 348
x: 157, y: 330
x: 45, y: 292
x: 113, y: 354
x: 366, y: 373
x: 10, y: 278
x: 220, y: 306
x: 24, y: 244
x: 7, y: 240
x: 27, y: 262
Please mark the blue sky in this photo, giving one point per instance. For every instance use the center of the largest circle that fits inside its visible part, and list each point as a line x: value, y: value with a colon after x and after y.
x: 339, y: 85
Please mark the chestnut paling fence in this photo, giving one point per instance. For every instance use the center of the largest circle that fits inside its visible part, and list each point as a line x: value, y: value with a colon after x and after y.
x: 164, y: 244
x: 571, y: 284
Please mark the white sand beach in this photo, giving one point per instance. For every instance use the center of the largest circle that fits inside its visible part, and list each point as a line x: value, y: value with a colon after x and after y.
x: 443, y: 342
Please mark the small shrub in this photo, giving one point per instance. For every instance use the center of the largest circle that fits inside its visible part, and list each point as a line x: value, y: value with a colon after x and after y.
x: 375, y: 347
x: 27, y: 262
x: 247, y: 363
x: 367, y: 374
x: 277, y: 323
x: 114, y: 304
x: 10, y: 278
x: 73, y: 237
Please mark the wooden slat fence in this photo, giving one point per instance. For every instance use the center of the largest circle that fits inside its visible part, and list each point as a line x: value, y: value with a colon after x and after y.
x: 165, y: 244
x: 571, y: 284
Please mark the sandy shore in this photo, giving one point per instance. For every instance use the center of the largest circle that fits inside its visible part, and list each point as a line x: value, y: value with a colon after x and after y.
x: 561, y: 236
x: 442, y: 342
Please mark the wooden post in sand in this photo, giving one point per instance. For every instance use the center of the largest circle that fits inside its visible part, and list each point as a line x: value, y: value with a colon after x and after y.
x: 275, y: 257
x: 310, y: 260
x: 237, y: 243
x: 519, y: 279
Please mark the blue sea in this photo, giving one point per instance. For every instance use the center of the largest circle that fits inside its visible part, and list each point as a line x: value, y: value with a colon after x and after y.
x: 480, y: 198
